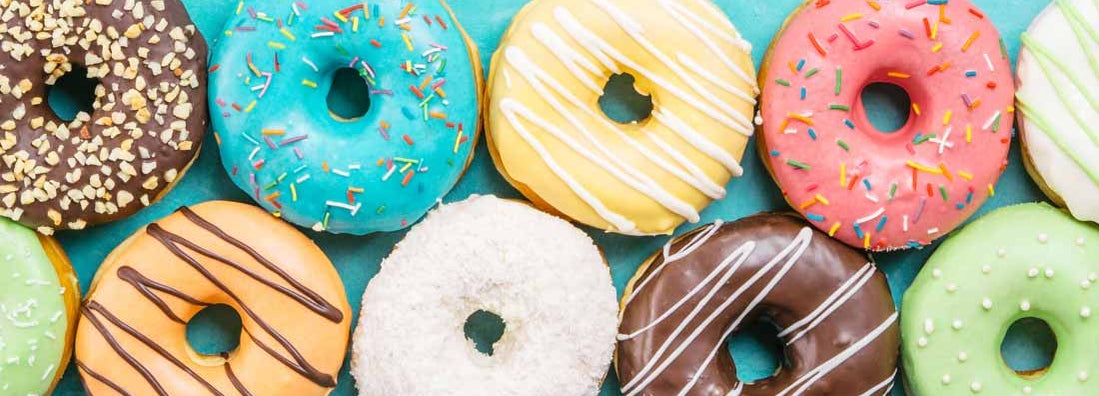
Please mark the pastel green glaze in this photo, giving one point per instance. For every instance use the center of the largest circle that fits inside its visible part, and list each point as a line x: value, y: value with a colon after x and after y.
x: 1025, y: 261
x: 32, y: 314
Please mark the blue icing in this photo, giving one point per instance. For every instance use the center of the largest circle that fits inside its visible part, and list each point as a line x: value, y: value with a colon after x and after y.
x: 424, y: 150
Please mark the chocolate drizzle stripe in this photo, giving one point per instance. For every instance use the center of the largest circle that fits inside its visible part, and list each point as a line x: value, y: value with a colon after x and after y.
x: 143, y: 284
x: 100, y: 309
x: 172, y: 242
x: 236, y: 382
x: 312, y: 301
x: 98, y: 377
x: 144, y: 372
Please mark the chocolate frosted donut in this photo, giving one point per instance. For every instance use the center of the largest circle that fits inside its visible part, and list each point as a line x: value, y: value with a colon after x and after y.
x: 148, y: 117
x: 831, y: 304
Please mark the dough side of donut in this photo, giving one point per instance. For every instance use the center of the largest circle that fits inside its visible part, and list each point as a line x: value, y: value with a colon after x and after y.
x: 545, y: 278
x: 643, y: 178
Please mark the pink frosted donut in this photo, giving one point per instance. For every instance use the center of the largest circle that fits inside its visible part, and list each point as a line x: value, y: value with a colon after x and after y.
x: 875, y: 190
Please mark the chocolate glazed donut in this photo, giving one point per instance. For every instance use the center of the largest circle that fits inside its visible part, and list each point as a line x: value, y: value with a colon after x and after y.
x: 146, y: 124
x: 833, y: 307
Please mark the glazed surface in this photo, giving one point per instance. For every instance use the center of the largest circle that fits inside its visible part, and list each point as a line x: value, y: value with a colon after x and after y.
x: 832, y: 306
x: 1025, y: 261
x: 552, y: 141
x: 148, y: 118
x: 1058, y: 76
x: 542, y: 276
x: 132, y: 333
x: 34, y: 319
x: 275, y: 65
x: 885, y: 191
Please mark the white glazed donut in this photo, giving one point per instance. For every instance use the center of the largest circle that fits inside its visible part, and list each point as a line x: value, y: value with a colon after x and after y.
x: 544, y: 277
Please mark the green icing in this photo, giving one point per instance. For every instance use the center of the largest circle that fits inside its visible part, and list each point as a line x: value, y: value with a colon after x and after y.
x: 1017, y: 262
x: 32, y: 314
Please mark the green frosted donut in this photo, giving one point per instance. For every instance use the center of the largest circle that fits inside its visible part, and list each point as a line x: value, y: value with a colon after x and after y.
x: 1026, y: 261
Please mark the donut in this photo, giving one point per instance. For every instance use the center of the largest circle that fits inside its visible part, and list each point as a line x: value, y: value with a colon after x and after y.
x: 282, y: 145
x: 39, y: 296
x: 544, y: 277
x: 550, y: 139
x: 295, y: 318
x: 831, y: 304
x: 1025, y: 261
x: 1056, y: 101
x: 147, y: 121
x: 870, y: 189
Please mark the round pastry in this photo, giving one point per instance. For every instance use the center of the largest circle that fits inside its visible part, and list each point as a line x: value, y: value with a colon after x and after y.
x: 1058, y: 78
x: 147, y: 120
x: 285, y: 148
x: 877, y: 190
x: 550, y: 139
x: 39, y: 296
x: 833, y: 305
x: 543, y: 277
x: 295, y: 317
x: 1025, y: 261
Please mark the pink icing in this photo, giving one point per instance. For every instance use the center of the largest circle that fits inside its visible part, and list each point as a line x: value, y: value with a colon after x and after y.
x: 963, y: 85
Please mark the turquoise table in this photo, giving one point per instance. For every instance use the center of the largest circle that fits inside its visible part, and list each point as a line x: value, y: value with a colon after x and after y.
x: 358, y: 258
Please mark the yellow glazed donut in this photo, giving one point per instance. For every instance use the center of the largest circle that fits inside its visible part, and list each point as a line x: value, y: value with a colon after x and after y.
x: 132, y: 334
x: 549, y: 138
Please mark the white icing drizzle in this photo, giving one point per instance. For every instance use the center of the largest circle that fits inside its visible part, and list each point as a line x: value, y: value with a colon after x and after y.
x: 841, y: 296
x: 696, y: 242
x: 882, y: 388
x: 681, y: 14
x: 662, y: 359
x: 812, y: 376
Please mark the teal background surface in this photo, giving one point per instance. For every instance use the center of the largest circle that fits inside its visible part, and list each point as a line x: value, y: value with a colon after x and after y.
x: 357, y: 258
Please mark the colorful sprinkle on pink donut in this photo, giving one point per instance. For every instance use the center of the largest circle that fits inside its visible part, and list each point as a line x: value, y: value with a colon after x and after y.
x: 887, y: 191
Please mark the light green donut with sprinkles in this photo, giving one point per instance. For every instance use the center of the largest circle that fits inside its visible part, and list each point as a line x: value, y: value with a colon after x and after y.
x: 1025, y: 261
x: 35, y: 311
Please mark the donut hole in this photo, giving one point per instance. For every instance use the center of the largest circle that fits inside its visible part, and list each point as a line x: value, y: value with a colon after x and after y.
x: 215, y: 331
x: 756, y: 350
x: 484, y: 328
x: 72, y: 94
x: 887, y: 106
x: 349, y: 95
x: 1029, y: 347
x: 621, y: 101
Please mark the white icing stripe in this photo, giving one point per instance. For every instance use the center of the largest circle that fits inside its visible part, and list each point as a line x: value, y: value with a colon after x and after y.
x: 885, y: 386
x: 834, y: 302
x: 695, y: 176
x: 692, y: 64
x: 626, y: 23
x: 736, y: 40
x: 695, y: 243
x: 664, y: 116
x: 601, y: 49
x: 812, y: 376
x: 741, y: 253
x: 619, y: 222
x: 568, y: 56
x: 655, y: 366
x: 680, y: 13
x: 622, y: 170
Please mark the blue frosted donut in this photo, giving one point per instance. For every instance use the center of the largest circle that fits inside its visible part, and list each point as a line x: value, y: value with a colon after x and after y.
x: 280, y: 143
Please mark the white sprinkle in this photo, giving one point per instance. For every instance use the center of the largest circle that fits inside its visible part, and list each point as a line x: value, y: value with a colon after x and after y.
x: 986, y: 269
x: 871, y: 216
x: 986, y: 304
x: 1043, y: 238
x: 1085, y: 312
x: 991, y: 120
x: 946, y: 379
x: 936, y: 273
x: 341, y: 173
x: 1080, y: 241
x: 933, y: 231
x: 989, y: 62
x: 1002, y: 252
x: 958, y: 324
x: 1032, y: 273
x: 1049, y: 272
x: 921, y: 342
x: 1083, y: 376
x: 905, y: 223
x: 962, y: 356
x: 1025, y: 305
x: 975, y: 386
x: 928, y: 326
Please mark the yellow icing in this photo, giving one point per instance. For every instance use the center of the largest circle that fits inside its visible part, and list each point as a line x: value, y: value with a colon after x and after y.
x: 550, y: 139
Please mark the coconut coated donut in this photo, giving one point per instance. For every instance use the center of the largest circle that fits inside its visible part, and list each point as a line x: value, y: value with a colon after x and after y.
x: 1025, y: 261
x: 542, y: 276
x: 1058, y: 104
x: 887, y: 191
x: 148, y: 117
x: 832, y: 306
x: 295, y: 318
x: 380, y: 172
x: 39, y: 296
x: 550, y: 139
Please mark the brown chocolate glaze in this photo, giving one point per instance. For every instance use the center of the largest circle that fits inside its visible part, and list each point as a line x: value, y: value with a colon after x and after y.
x: 148, y: 120
x: 186, y: 250
x: 861, y: 327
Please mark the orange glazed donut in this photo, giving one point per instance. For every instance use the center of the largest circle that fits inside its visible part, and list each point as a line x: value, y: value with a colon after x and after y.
x: 132, y: 334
